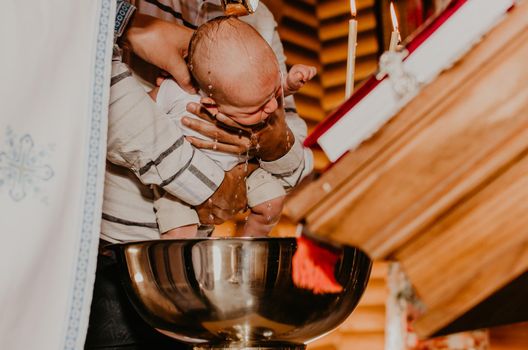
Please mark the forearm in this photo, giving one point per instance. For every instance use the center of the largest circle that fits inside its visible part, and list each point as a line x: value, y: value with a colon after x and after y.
x: 144, y: 140
x: 292, y: 167
x: 161, y: 43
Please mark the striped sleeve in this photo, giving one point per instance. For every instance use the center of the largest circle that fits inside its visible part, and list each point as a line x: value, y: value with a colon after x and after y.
x: 142, y: 139
x: 124, y: 11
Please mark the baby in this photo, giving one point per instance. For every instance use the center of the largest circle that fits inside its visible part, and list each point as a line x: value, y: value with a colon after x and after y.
x: 238, y: 75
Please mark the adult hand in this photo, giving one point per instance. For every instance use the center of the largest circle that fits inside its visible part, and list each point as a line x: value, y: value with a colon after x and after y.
x: 162, y: 43
x: 272, y: 141
x: 229, y: 199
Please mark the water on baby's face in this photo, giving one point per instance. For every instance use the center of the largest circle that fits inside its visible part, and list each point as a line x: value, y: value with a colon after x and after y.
x: 245, y: 155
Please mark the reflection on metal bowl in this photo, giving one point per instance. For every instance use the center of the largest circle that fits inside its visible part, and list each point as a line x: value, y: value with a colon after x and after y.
x: 235, y: 292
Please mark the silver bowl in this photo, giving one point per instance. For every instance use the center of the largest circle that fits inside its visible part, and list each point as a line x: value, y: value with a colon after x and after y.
x: 219, y: 293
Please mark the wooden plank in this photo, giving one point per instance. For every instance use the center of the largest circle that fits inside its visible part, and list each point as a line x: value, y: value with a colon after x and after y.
x: 365, y: 319
x: 320, y: 160
x: 339, y: 29
x: 376, y: 293
x: 356, y: 166
x: 380, y: 270
x: 312, y: 89
x: 300, y: 14
x: 337, y: 51
x: 478, y: 133
x: 339, y: 341
x: 511, y: 337
x: 309, y: 108
x: 336, y: 76
x: 295, y: 57
x: 299, y: 38
x: 487, y: 237
x: 332, y: 8
x: 362, y: 341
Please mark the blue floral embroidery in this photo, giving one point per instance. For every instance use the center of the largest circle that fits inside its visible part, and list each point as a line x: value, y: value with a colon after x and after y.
x: 23, y: 167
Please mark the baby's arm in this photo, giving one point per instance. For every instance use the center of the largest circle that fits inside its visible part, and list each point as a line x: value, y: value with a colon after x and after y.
x: 298, y: 75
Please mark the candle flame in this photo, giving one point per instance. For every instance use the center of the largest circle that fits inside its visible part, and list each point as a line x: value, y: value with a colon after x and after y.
x: 353, y: 10
x: 394, y: 18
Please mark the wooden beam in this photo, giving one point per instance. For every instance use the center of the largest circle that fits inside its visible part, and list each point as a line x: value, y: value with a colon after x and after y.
x: 300, y: 14
x: 336, y: 75
x: 354, y: 167
x: 312, y: 89
x: 299, y: 38
x: 339, y: 29
x: 332, y: 8
x: 337, y: 52
x: 295, y: 57
x: 432, y: 170
x: 487, y: 237
x: 309, y: 108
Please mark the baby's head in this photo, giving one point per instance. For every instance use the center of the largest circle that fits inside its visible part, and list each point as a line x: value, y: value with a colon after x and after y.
x: 237, y: 69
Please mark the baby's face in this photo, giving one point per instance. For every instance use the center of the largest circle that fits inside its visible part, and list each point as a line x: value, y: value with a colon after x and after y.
x: 237, y: 70
x: 253, y: 105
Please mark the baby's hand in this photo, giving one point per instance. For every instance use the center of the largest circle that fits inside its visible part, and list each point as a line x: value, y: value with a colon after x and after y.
x: 298, y: 75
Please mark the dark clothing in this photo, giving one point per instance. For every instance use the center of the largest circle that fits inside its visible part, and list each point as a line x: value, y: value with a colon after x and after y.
x: 114, y: 324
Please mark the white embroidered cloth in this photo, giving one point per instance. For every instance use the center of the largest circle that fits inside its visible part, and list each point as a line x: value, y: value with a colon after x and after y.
x: 54, y: 82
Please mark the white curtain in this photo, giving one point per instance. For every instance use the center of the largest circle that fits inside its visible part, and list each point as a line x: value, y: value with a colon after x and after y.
x: 54, y: 77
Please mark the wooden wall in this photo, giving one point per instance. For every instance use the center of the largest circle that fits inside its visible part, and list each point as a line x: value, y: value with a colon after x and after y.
x: 511, y: 337
x: 365, y: 328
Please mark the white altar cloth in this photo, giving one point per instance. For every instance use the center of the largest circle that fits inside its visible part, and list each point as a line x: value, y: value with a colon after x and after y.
x: 54, y: 81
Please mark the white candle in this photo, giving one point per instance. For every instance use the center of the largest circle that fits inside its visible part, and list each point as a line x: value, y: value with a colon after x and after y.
x: 394, y: 41
x: 395, y: 35
x: 351, y: 58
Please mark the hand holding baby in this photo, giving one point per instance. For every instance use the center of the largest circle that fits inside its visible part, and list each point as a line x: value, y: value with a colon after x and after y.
x: 163, y: 44
x: 270, y: 141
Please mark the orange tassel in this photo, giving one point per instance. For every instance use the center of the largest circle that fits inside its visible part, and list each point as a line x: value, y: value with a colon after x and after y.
x: 313, y: 267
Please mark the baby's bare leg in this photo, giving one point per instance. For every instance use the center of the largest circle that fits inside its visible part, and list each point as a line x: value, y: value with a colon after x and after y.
x: 189, y: 231
x: 263, y: 218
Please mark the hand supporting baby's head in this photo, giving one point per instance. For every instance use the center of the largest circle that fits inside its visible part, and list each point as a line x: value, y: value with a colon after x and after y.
x: 236, y: 68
